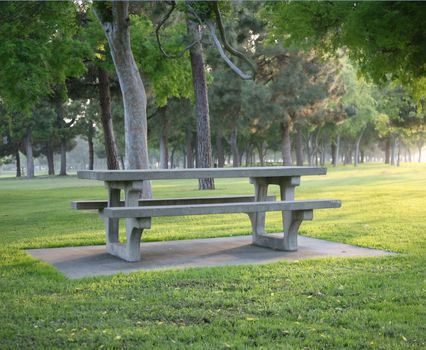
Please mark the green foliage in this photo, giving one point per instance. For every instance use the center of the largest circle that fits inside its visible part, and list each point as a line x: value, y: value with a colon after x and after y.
x: 384, y: 38
x: 38, y: 50
x: 165, y: 77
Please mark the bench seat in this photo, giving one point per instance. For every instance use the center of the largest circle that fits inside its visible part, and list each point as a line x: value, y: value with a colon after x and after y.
x: 223, y: 208
x: 139, y: 218
x: 102, y: 204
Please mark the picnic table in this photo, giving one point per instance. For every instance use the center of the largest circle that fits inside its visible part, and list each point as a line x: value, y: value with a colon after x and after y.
x: 138, y: 212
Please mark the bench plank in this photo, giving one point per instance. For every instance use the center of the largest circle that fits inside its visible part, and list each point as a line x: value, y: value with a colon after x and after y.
x: 102, y: 204
x: 203, y: 209
x: 198, y: 173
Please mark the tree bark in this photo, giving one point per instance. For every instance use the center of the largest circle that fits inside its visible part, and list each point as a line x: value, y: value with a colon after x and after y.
x: 117, y: 31
x: 393, y: 148
x: 50, y: 158
x: 91, y: 152
x: 286, y: 145
x: 336, y: 157
x: 204, y: 149
x: 236, y: 159
x: 398, y: 162
x: 18, y: 163
x: 261, y: 153
x: 63, y: 170
x: 387, y: 149
x: 219, y: 150
x: 164, y: 139
x: 29, y: 153
x: 189, y: 150
x: 299, y: 145
x: 358, y: 141
x: 111, y: 150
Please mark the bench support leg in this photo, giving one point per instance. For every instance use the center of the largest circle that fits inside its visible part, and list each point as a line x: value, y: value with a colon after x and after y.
x: 289, y: 241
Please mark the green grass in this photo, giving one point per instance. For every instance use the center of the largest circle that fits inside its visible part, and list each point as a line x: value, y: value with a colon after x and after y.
x: 358, y: 303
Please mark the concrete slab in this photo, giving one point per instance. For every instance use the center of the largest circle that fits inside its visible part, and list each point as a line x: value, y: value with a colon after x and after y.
x: 87, y: 261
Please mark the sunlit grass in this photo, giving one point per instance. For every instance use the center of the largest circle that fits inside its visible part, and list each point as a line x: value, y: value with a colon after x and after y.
x: 376, y: 303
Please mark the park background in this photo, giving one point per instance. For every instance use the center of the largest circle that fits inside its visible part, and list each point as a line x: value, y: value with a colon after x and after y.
x: 339, y: 84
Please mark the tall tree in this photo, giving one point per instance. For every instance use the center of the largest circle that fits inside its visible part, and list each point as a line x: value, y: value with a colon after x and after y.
x: 116, y: 24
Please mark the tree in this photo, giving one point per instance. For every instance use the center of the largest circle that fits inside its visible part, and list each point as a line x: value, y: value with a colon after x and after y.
x: 116, y: 24
x: 201, y: 15
x: 385, y: 38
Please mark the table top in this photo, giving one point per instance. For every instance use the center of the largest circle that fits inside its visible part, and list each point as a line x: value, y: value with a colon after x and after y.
x: 198, y: 173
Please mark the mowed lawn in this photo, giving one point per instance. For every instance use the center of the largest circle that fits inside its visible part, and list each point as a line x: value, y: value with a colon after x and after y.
x: 357, y: 303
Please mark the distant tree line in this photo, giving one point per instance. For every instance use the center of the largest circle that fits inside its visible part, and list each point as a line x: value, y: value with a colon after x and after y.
x: 202, y: 84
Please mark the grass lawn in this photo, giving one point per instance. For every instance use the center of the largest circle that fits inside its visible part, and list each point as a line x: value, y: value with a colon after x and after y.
x: 362, y: 303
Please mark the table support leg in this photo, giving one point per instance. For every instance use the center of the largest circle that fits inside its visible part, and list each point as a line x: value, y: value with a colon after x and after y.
x: 261, y: 194
x: 112, y: 224
x: 129, y: 251
x: 290, y: 224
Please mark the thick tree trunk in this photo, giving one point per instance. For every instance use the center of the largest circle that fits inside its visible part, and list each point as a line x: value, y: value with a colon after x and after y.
x: 111, y: 150
x: 117, y: 31
x: 91, y: 152
x: 189, y: 150
x: 204, y: 148
x: 29, y: 153
x: 50, y: 158
x: 286, y: 144
x: 63, y: 171
x: 299, y: 145
x: 18, y: 163
x: 362, y: 159
x: 387, y: 149
x: 219, y: 150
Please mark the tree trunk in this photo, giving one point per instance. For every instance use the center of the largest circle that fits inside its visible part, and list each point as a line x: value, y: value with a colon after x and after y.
x: 420, y: 146
x: 299, y: 145
x: 358, y: 141
x: 111, y: 150
x: 393, y: 149
x: 18, y: 163
x: 50, y: 158
x: 236, y: 159
x: 333, y: 152
x: 91, y: 152
x: 261, y: 153
x: 188, y: 150
x: 29, y: 153
x: 172, y: 158
x: 164, y: 140
x: 398, y: 161
x: 336, y: 157
x: 63, y: 171
x: 204, y: 148
x: 388, y: 149
x: 362, y: 159
x: 286, y: 145
x: 219, y: 150
x: 117, y: 31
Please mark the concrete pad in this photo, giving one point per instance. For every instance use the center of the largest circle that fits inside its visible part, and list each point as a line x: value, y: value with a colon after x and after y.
x: 87, y: 261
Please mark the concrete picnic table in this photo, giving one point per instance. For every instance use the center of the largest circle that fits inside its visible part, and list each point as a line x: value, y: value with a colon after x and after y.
x: 138, y: 213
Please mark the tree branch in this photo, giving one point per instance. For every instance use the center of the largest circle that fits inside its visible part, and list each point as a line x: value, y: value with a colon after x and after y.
x: 228, y: 47
x: 223, y: 55
x: 157, y: 35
